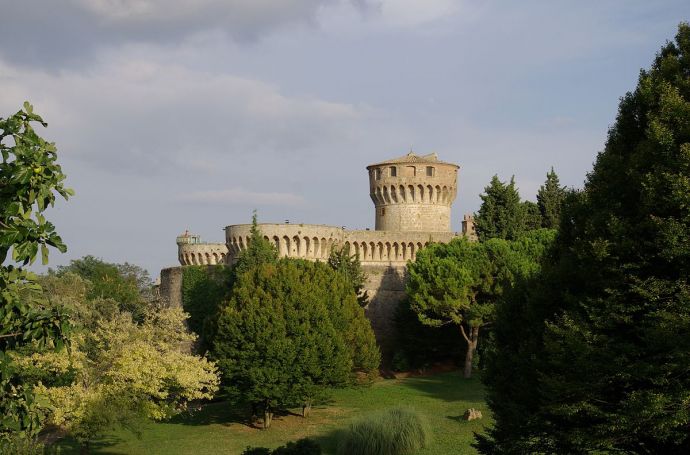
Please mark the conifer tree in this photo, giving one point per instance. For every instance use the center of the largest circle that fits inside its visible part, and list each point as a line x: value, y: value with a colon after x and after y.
x: 259, y: 250
x: 290, y: 330
x: 501, y: 214
x: 594, y: 355
x: 550, y: 199
x: 348, y: 265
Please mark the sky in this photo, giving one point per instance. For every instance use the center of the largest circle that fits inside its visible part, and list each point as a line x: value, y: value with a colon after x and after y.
x: 188, y: 114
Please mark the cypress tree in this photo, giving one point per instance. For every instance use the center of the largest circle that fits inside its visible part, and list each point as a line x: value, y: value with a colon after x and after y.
x: 597, y: 349
x: 550, y: 199
x: 501, y: 214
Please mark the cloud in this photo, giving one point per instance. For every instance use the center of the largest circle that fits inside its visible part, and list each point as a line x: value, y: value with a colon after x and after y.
x: 416, y: 12
x: 143, y: 116
x: 60, y: 33
x: 239, y: 196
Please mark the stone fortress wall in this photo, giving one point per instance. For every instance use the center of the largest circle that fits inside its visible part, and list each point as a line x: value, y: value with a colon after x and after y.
x: 412, y: 198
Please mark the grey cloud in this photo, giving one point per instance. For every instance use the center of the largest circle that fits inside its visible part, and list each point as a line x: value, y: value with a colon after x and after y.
x: 61, y: 33
x: 150, y: 118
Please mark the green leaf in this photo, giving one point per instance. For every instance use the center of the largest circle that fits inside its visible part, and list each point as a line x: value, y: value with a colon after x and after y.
x: 44, y: 254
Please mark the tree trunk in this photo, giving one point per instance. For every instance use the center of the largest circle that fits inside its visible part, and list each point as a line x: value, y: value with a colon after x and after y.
x: 306, y: 409
x: 471, y: 347
x: 268, y: 416
x: 85, y: 448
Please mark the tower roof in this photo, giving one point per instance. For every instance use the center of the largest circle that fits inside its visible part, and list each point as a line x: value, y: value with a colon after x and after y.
x: 411, y: 157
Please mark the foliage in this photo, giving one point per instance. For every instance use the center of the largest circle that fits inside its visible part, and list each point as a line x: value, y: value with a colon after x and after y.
x: 501, y: 214
x: 550, y: 199
x: 532, y: 216
x: 127, y: 284
x: 592, y: 354
x: 30, y: 178
x: 204, y: 288
x: 349, y: 266
x: 290, y: 329
x: 259, y: 251
x: 397, y: 431
x: 121, y: 372
x: 303, y: 446
x: 459, y: 283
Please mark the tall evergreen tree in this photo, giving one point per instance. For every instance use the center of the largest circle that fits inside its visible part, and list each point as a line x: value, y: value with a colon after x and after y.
x: 501, y: 214
x: 259, y: 250
x: 594, y: 356
x: 347, y: 264
x: 550, y: 199
x: 532, y: 216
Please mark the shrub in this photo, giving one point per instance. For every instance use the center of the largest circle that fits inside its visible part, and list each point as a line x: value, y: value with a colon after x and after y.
x: 397, y: 431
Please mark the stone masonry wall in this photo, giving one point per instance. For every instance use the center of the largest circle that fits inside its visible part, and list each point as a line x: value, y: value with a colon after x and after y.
x: 170, y: 289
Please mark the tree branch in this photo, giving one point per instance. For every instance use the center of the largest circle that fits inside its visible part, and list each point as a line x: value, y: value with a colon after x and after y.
x: 464, y: 335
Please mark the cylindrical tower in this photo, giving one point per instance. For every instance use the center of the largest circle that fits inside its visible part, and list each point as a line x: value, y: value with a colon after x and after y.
x: 413, y: 193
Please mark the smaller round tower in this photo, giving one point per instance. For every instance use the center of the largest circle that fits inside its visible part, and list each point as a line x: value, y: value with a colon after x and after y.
x: 413, y: 193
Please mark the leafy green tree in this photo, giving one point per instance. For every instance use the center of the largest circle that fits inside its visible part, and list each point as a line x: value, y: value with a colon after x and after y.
x: 550, y: 199
x: 459, y: 283
x: 291, y: 329
x: 348, y: 265
x: 501, y: 214
x: 127, y: 284
x: 597, y: 346
x: 30, y: 179
x: 120, y: 373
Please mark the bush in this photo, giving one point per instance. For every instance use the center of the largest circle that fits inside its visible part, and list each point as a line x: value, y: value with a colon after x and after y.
x: 397, y: 431
x: 301, y: 447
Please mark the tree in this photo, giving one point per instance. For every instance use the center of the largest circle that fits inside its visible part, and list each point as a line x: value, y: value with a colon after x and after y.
x: 550, y: 199
x: 127, y: 284
x: 120, y: 372
x: 459, y: 283
x: 259, y: 251
x: 597, y: 345
x: 348, y: 265
x: 291, y: 329
x: 30, y: 179
x: 533, y: 219
x: 501, y: 214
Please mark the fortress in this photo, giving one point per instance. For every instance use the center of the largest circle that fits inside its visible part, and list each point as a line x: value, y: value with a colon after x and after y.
x: 412, y: 198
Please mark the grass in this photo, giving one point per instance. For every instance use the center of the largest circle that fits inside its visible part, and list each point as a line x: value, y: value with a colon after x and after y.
x: 395, y: 431
x: 441, y: 399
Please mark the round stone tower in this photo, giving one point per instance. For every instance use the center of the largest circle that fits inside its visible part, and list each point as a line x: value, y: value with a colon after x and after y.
x: 413, y: 193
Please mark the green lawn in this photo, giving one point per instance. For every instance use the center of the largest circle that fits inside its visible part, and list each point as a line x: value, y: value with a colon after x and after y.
x: 217, y: 428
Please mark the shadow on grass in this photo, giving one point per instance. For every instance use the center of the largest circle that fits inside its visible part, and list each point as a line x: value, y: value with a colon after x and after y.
x: 221, y: 413
x: 69, y: 446
x: 224, y: 413
x: 448, y: 387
